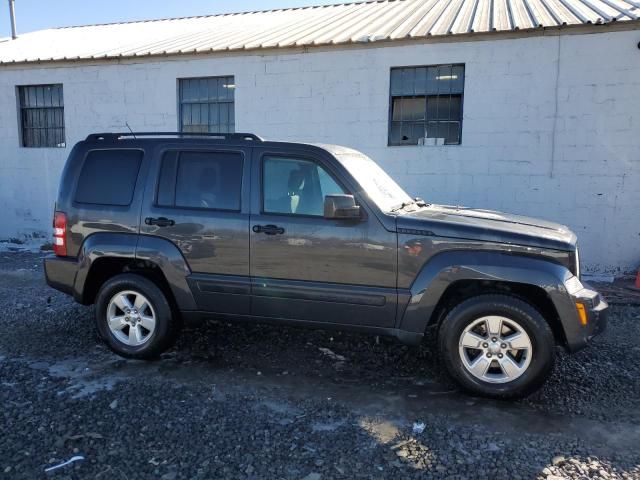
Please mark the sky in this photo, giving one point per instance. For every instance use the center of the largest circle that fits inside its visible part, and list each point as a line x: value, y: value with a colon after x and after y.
x: 39, y: 14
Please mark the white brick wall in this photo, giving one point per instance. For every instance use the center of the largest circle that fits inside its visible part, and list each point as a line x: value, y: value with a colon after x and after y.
x: 580, y: 167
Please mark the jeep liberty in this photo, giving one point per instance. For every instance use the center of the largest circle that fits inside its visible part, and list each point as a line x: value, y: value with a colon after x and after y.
x: 156, y: 228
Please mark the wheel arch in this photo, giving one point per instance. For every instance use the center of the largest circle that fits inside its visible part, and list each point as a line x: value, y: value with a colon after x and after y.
x: 104, y: 255
x: 450, y: 276
x: 104, y: 268
x: 535, y: 295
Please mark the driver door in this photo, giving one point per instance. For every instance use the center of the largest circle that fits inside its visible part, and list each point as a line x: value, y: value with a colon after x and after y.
x: 309, y: 268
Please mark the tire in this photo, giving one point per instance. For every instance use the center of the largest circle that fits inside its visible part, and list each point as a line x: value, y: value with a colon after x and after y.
x: 518, y: 371
x: 128, y: 290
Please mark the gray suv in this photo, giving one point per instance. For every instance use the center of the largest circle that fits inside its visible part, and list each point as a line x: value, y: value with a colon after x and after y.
x: 157, y: 228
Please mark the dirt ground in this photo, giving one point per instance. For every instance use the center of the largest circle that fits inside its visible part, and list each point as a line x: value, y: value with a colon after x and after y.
x: 252, y: 401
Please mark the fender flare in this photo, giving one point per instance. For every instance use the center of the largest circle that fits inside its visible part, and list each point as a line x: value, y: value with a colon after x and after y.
x: 156, y: 250
x: 166, y: 255
x: 101, y: 245
x: 448, y: 267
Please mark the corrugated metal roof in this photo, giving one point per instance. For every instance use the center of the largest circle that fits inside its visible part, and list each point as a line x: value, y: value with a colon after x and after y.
x: 360, y: 22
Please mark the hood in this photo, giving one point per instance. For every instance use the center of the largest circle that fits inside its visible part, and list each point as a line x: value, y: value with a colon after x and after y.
x: 488, y: 225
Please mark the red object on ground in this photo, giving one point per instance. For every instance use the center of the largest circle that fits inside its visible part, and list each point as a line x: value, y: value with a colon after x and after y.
x: 638, y: 279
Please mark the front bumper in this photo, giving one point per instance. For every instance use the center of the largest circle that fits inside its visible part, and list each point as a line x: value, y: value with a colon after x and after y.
x: 60, y: 273
x: 596, y: 310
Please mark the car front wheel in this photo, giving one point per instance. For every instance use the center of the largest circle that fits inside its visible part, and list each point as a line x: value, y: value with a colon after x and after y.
x: 497, y: 346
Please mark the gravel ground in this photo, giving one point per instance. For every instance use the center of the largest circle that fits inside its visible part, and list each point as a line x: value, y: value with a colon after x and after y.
x: 250, y: 401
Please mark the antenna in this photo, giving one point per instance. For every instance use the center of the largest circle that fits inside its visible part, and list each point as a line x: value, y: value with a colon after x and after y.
x: 134, y: 135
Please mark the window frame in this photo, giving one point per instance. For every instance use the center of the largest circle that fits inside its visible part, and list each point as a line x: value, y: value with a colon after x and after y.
x: 208, y: 101
x: 426, y: 97
x: 175, y: 180
x: 76, y: 203
x: 306, y: 158
x: 22, y: 128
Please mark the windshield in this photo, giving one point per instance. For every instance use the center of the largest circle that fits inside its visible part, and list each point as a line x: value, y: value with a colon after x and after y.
x: 379, y: 186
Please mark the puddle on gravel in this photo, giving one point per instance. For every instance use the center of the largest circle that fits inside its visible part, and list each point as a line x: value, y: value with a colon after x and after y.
x: 83, y: 380
x: 282, y: 408
x: 282, y: 412
x: 328, y: 426
x: 18, y: 278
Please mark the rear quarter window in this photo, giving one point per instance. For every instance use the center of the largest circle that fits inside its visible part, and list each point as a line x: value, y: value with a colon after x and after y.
x: 108, y: 177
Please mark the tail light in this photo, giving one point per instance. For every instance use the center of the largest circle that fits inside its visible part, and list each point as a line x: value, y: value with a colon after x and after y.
x: 60, y: 234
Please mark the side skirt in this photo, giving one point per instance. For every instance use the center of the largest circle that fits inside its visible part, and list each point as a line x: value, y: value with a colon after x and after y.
x: 403, y: 336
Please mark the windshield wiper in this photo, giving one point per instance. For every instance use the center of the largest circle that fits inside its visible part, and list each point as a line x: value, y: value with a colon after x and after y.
x: 416, y: 201
x: 402, y: 206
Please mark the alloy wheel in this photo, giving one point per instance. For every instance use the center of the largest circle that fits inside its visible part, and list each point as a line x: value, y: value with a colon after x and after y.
x: 495, y: 349
x: 131, y: 318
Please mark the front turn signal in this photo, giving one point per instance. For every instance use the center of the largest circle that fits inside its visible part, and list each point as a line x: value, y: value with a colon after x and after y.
x: 582, y: 313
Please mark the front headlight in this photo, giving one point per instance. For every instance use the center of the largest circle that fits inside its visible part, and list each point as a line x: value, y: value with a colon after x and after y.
x: 576, y: 260
x: 573, y: 285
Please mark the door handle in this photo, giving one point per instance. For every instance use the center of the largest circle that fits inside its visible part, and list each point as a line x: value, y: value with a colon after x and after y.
x: 268, y: 229
x: 160, y: 221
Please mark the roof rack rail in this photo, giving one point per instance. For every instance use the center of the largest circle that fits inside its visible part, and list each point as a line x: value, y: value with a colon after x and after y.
x: 221, y: 136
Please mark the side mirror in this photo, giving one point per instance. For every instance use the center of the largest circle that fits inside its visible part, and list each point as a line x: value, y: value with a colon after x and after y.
x: 339, y: 207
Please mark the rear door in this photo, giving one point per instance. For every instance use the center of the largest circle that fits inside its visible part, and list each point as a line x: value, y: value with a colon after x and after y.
x: 196, y: 200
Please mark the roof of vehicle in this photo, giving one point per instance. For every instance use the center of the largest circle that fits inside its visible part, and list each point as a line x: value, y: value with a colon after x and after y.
x: 336, y: 150
x: 114, y: 138
x: 361, y: 22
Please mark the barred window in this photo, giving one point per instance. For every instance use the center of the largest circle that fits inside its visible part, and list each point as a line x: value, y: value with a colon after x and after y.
x: 207, y: 105
x: 426, y: 105
x: 42, y: 115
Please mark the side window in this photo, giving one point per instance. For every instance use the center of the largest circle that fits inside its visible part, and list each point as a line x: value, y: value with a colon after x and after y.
x: 102, y: 169
x: 295, y: 186
x: 211, y: 180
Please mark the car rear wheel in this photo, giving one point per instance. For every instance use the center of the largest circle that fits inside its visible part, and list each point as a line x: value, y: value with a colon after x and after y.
x: 497, y: 346
x: 134, y: 317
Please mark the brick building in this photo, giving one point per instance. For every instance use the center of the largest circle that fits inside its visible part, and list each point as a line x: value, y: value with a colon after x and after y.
x: 529, y: 106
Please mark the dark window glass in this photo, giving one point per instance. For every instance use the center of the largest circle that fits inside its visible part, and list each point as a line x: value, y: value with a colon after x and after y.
x: 296, y: 187
x: 426, y: 103
x: 408, y: 109
x: 108, y: 177
x: 207, y: 105
x: 42, y: 115
x: 167, y: 182
x: 210, y: 180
